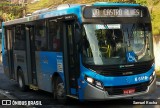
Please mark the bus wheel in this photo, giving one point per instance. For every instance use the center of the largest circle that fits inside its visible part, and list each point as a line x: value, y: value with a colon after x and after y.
x: 21, y: 82
x: 60, y: 91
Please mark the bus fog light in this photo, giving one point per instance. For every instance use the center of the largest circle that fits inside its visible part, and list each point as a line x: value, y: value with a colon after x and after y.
x: 98, y: 84
x: 154, y: 73
x: 151, y: 78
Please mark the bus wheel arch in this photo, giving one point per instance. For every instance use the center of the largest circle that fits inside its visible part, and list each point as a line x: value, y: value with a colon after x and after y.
x: 20, y: 79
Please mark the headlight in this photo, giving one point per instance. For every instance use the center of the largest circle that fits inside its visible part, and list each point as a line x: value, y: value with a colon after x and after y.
x: 90, y: 80
x: 94, y: 82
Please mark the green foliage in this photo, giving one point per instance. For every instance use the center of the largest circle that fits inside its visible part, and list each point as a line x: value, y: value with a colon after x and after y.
x: 10, y: 11
x: 155, y: 2
x: 156, y: 20
x: 142, y: 2
x: 41, y: 5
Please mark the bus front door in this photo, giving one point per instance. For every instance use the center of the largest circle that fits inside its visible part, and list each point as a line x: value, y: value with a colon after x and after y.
x: 31, y: 57
x: 70, y: 59
x: 8, y: 56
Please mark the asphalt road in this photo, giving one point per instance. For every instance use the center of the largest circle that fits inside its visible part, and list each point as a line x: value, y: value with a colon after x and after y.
x: 10, y: 89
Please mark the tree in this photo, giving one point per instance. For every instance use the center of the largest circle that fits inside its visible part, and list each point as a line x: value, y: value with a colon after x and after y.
x: 154, y: 2
x: 10, y: 11
x: 142, y: 2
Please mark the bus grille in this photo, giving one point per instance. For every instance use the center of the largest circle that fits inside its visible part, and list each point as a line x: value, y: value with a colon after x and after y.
x: 122, y: 70
x: 118, y: 90
x: 138, y: 69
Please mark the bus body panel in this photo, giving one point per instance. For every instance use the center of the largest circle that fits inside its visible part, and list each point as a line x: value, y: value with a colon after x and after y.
x: 47, y: 63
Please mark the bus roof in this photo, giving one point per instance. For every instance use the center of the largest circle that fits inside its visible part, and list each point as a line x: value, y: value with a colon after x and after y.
x: 114, y: 4
x: 72, y: 9
x: 63, y: 10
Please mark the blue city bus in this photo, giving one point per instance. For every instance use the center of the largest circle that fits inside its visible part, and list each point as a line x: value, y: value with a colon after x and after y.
x: 96, y: 51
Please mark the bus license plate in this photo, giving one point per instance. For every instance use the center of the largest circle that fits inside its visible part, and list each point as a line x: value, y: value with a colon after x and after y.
x: 129, y: 91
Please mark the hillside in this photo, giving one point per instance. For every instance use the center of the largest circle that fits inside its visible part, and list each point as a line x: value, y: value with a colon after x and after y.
x: 53, y: 3
x: 156, y: 19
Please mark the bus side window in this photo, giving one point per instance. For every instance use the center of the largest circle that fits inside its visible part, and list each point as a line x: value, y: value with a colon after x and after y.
x: 54, y: 35
x: 40, y: 36
x: 19, y: 37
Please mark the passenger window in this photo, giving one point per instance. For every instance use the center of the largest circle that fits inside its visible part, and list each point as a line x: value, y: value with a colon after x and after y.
x: 54, y: 35
x: 40, y: 36
x: 20, y: 39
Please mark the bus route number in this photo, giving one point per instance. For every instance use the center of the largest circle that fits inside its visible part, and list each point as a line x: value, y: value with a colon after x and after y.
x: 115, y: 12
x: 141, y: 78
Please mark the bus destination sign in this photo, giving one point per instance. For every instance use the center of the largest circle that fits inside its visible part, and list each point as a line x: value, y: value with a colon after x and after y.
x: 91, y: 12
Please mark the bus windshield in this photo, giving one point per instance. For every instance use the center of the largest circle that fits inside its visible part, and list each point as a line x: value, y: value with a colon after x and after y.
x: 109, y: 44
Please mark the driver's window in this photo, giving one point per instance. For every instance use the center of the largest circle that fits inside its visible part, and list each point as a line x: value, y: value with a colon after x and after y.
x: 85, y: 44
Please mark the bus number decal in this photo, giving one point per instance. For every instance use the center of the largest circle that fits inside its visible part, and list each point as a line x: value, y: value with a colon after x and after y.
x: 59, y: 66
x: 141, y: 78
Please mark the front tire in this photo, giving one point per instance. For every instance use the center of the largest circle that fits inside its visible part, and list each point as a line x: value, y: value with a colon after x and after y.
x: 60, y: 93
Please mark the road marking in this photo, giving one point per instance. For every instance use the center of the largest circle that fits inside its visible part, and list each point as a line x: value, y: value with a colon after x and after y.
x: 7, y: 94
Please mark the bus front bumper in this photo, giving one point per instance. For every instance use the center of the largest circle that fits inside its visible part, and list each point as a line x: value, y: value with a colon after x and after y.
x: 93, y: 93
